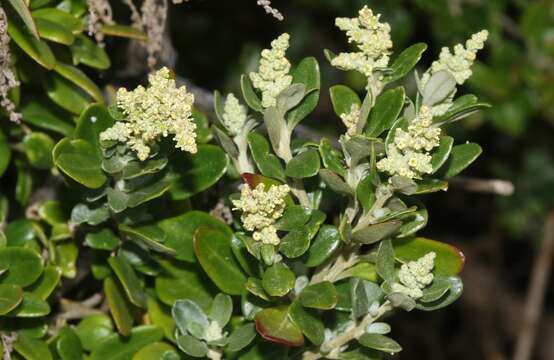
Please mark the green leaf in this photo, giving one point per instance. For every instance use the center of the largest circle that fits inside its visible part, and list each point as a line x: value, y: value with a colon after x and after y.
x: 123, y: 31
x: 38, y: 148
x: 24, y: 182
x: 23, y: 11
x: 104, y: 239
x: 116, y: 347
x: 93, y: 329
x: 274, y: 325
x: 80, y: 79
x: 66, y: 258
x: 249, y: 95
x: 192, y: 346
x: 331, y: 157
x: 46, y: 283
x: 441, y: 154
x: 128, y: 278
x: 449, y: 260
x: 190, y: 318
x: 430, y: 186
x: 32, y: 349
x: 92, y: 122
x: 376, y: 232
x: 213, y: 250
x: 454, y: 292
x: 365, y: 192
x: 30, y: 307
x: 322, y: 296
x: 120, y: 307
x: 10, y: 297
x: 380, y: 342
x: 294, y: 217
x: 310, y: 324
x: 192, y: 174
x: 303, y: 165
x: 24, y: 266
x: 54, y: 32
x: 37, y: 49
x: 179, y: 231
x: 5, y: 153
x: 306, y: 73
x: 78, y: 159
x: 385, y: 112
x: 461, y: 108
x: 295, y: 243
x: 438, y: 87
x: 342, y: 98
x: 460, y: 158
x: 440, y: 286
x: 267, y: 162
x: 160, y: 315
x: 334, y: 182
x: 324, y: 245
x: 241, y: 338
x: 85, y: 51
x: 278, y: 280
x: 362, y: 270
x: 157, y: 351
x: 149, y: 236
x: 362, y: 295
x: 65, y: 94
x: 69, y: 21
x: 405, y: 62
x: 68, y: 345
x: 385, y: 260
x: 222, y: 309
x: 40, y: 112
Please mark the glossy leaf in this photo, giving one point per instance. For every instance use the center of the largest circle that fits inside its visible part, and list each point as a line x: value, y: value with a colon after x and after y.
x: 10, y: 297
x: 149, y: 236
x: 5, y: 153
x: 278, y: 280
x: 38, y: 148
x: 331, y: 157
x: 32, y: 349
x: 80, y: 79
x: 385, y: 260
x: 449, y: 260
x: 123, y: 31
x: 128, y: 278
x: 376, y: 232
x: 69, y: 345
x: 310, y: 324
x: 46, y: 283
x: 94, y: 329
x: 213, y: 250
x: 20, y: 6
x: 441, y: 154
x: 85, y: 51
x: 78, y: 160
x: 405, y: 62
x: 37, y: 49
x: 454, y: 292
x: 249, y: 95
x: 55, y: 15
x: 241, y: 337
x: 306, y: 73
x: 342, y: 99
x: 461, y: 157
x: 160, y: 315
x: 30, y: 307
x: 54, y: 32
x: 385, y: 111
x: 65, y: 94
x: 303, y: 165
x: 322, y: 296
x: 192, y: 346
x: 222, y: 309
x: 24, y: 266
x: 324, y: 245
x: 266, y: 161
x: 104, y: 239
x: 334, y: 182
x: 190, y: 318
x: 380, y: 342
x: 157, y: 351
x: 120, y: 307
x: 274, y: 325
x: 196, y: 173
x: 116, y: 347
x: 40, y: 112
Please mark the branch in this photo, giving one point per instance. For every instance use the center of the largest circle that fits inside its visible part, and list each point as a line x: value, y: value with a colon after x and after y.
x: 492, y: 186
x: 535, y: 295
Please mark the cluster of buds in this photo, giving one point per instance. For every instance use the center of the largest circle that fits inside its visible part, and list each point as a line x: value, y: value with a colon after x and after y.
x: 415, y: 276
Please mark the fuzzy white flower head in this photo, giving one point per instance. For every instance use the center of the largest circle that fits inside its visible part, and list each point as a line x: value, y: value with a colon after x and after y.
x: 154, y: 112
x: 408, y: 155
x: 459, y: 63
x: 213, y: 332
x: 415, y: 276
x: 372, y: 38
x: 234, y: 115
x: 273, y: 73
x: 350, y: 120
x: 260, y: 209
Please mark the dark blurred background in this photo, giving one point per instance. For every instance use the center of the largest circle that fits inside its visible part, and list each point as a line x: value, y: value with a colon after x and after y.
x: 211, y: 42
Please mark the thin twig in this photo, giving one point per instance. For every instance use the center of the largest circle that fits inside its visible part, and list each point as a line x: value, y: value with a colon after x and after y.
x: 535, y: 295
x: 492, y: 186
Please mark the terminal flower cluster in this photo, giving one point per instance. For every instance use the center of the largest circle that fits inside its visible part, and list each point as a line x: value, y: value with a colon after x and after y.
x: 415, y: 276
x: 234, y: 115
x: 153, y: 112
x: 372, y: 38
x: 408, y: 155
x: 273, y: 73
x: 459, y: 63
x: 260, y: 209
x: 350, y: 120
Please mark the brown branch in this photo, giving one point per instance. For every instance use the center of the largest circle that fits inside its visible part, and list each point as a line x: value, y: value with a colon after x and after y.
x: 535, y: 295
x: 492, y: 186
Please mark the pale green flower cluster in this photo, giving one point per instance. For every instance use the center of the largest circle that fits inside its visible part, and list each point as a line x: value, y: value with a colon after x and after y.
x: 459, y: 63
x: 372, y: 39
x: 415, y: 276
x: 153, y: 112
x: 273, y: 73
x: 234, y: 115
x: 350, y: 120
x: 408, y: 155
x: 213, y: 332
x: 260, y: 209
